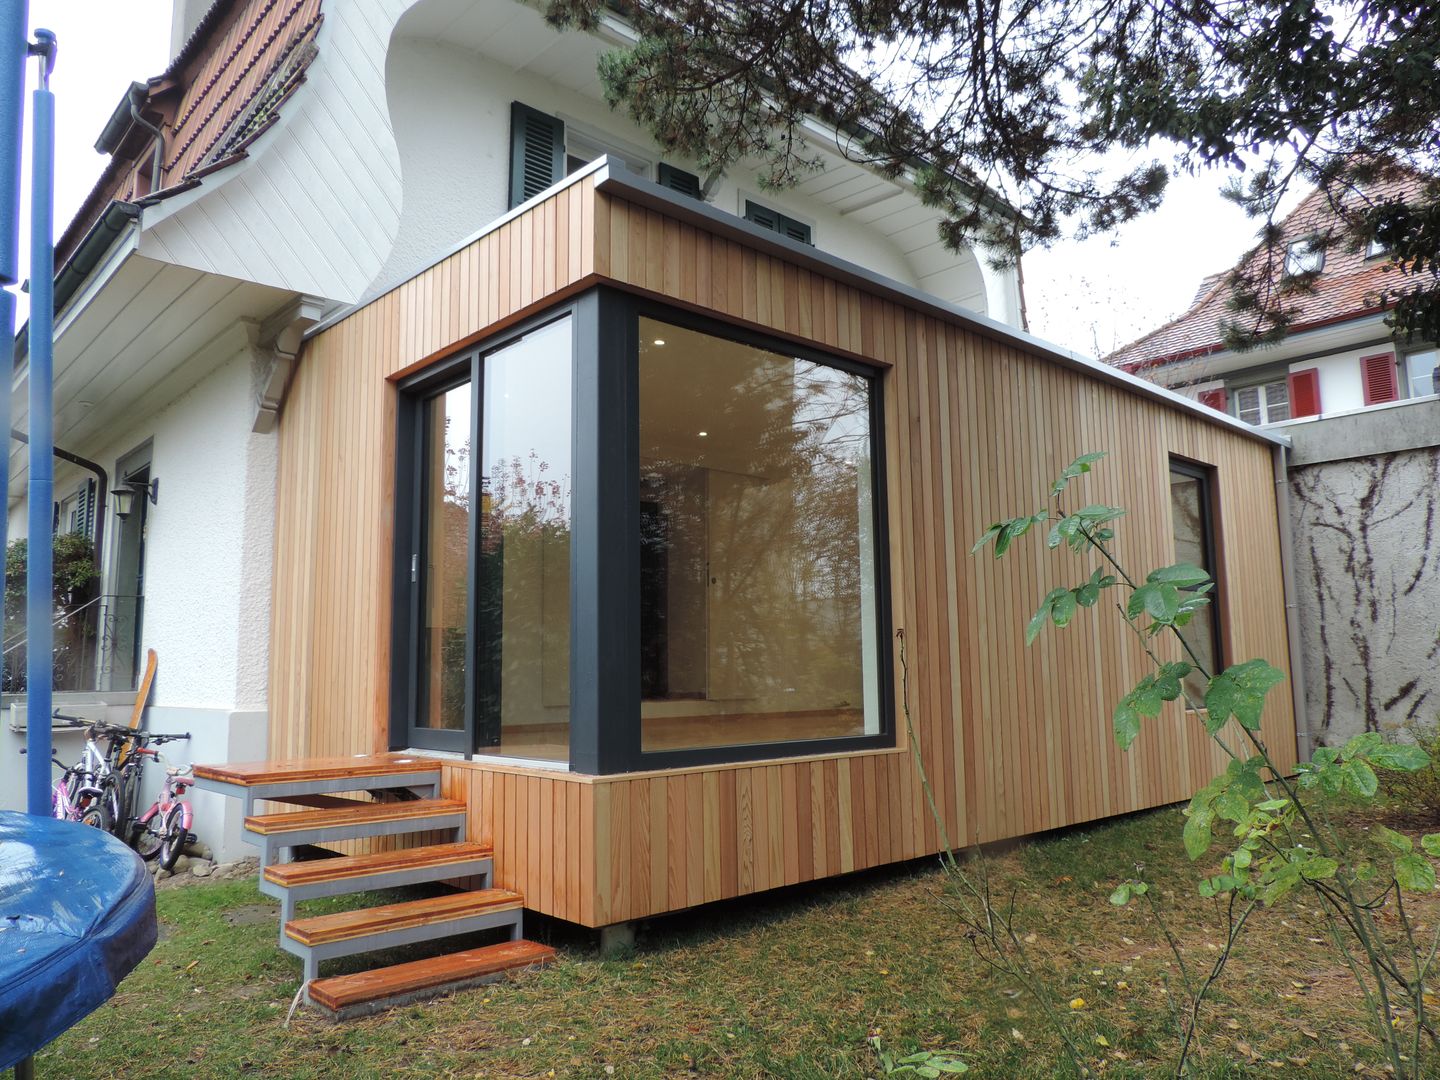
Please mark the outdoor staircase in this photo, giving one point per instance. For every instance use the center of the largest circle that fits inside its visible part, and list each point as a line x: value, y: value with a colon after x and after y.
x: 353, y: 798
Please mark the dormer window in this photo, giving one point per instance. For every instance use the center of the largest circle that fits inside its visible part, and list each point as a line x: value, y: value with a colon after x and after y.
x: 1376, y: 248
x: 1304, y: 257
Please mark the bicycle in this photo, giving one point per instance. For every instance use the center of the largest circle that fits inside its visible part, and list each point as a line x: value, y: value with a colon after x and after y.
x: 171, y: 812
x: 72, y: 799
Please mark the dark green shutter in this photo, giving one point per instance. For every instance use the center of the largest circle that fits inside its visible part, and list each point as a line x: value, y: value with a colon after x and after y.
x: 537, y: 152
x: 686, y: 183
x: 777, y: 222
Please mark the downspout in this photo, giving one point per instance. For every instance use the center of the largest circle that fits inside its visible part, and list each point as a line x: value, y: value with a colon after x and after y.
x: 137, y: 97
x: 1304, y: 743
x: 102, y: 489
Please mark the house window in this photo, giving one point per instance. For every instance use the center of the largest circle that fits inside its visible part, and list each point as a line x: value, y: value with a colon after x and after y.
x: 777, y: 222
x: 1304, y: 257
x: 1422, y: 371
x: 1266, y: 403
x: 1191, y: 512
x: 1376, y: 248
x: 760, y: 618
x: 489, y: 569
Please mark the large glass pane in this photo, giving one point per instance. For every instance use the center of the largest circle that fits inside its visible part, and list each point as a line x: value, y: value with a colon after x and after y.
x: 523, y: 566
x: 445, y: 571
x: 757, y: 564
x: 1192, y: 545
x: 1423, y: 369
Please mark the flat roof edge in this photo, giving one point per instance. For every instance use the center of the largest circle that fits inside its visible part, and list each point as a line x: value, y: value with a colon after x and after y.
x: 612, y: 178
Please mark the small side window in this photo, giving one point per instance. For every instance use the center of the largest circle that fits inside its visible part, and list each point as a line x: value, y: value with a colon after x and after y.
x: 1304, y: 257
x: 1192, y: 518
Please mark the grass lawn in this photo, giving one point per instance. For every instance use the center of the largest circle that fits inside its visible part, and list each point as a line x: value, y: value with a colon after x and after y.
x: 789, y: 984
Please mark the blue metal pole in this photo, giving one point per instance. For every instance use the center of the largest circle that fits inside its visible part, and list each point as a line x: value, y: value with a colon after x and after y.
x: 14, y: 24
x: 39, y: 573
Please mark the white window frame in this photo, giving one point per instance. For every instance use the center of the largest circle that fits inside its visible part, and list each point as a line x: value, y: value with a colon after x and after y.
x: 1299, y: 252
x: 1263, y: 399
x: 1409, y: 376
x: 585, y: 142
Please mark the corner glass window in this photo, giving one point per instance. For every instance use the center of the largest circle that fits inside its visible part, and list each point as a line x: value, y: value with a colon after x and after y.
x: 759, y: 620
x: 1190, y: 513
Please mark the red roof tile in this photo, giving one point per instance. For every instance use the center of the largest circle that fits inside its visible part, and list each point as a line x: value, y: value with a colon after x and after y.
x: 1349, y: 286
x: 223, y: 88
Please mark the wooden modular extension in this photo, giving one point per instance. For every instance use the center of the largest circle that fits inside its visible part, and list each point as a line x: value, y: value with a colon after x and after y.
x: 977, y: 422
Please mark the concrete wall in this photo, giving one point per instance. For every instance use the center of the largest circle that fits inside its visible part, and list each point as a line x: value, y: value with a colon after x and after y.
x: 1365, y: 503
x: 208, y: 550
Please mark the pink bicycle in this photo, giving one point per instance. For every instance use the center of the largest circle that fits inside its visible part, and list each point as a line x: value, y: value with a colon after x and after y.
x: 163, y: 831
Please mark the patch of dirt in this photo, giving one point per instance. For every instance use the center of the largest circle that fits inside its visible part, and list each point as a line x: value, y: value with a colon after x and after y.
x: 252, y: 914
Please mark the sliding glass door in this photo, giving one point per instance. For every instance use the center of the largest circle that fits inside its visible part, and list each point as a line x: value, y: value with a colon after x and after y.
x: 488, y: 631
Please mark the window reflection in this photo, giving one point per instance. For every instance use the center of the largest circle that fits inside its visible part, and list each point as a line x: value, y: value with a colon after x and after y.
x: 1194, y: 544
x: 445, y: 573
x: 758, y: 607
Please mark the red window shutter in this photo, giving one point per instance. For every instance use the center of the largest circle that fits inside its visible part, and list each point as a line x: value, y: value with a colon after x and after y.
x: 1377, y: 375
x: 1215, y: 398
x: 1305, y: 393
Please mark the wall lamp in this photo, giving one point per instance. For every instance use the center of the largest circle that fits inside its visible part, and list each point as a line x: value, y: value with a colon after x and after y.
x: 125, y: 496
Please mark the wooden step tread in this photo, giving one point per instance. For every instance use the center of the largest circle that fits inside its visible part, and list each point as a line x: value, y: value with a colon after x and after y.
x: 344, y: 925
x: 418, y: 976
x: 313, y: 871
x: 363, y: 814
x: 253, y: 773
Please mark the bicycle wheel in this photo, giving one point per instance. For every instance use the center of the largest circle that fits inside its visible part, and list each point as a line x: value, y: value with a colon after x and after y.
x: 93, y: 816
x: 148, y: 837
x: 173, y: 842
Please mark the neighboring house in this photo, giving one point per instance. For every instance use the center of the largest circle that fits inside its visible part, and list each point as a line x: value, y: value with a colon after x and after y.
x: 1360, y: 409
x: 486, y: 434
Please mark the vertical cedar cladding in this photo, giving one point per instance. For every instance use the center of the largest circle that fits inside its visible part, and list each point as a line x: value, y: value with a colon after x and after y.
x: 537, y: 152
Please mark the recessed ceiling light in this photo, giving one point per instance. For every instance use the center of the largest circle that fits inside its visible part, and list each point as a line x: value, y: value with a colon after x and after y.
x: 659, y: 341
x: 702, y: 434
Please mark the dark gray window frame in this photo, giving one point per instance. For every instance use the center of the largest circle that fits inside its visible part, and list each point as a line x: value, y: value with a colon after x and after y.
x: 605, y: 692
x: 1209, y: 543
x: 414, y: 392
x: 626, y: 734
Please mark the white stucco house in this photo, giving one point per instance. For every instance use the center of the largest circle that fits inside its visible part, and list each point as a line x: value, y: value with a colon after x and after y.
x: 295, y: 158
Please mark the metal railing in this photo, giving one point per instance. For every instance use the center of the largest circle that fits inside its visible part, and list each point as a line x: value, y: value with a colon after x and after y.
x: 94, y: 647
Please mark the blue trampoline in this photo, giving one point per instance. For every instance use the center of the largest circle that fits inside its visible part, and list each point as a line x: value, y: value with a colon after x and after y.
x: 77, y: 914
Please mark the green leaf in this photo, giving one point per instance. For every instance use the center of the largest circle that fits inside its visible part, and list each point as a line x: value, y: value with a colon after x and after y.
x: 1415, y: 873
x: 1239, y: 691
x: 1362, y: 745
x: 1401, y: 757
x: 1127, y: 724
x: 1319, y: 867
x: 1162, y: 602
x: 1064, y: 609
x: 1079, y: 467
x: 1181, y: 575
x: 1359, y: 779
x: 1121, y: 896
x: 1431, y: 843
x: 1393, y: 840
x: 1197, y: 833
x: 1042, y: 614
x: 989, y: 534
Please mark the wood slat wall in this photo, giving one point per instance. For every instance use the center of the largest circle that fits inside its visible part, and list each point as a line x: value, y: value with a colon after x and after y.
x: 1015, y: 740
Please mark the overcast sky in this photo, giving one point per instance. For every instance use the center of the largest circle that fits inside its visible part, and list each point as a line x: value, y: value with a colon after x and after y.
x: 1091, y: 296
